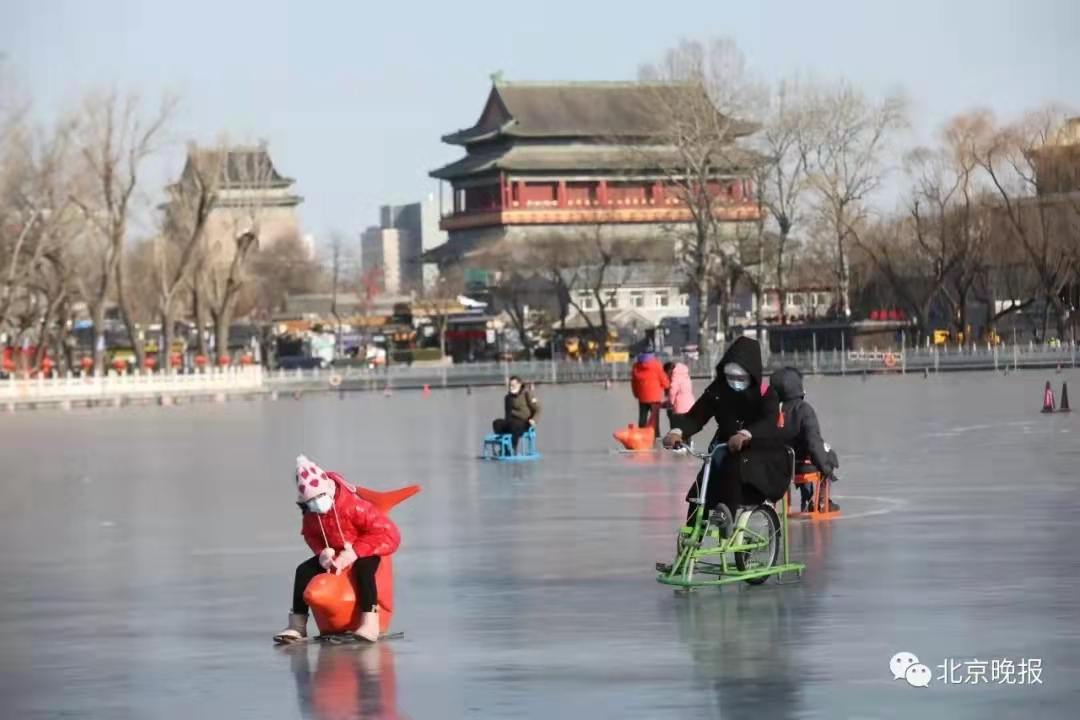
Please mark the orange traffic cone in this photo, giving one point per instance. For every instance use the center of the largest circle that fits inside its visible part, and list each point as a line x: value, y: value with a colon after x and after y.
x: 1048, y: 398
x: 1064, y: 398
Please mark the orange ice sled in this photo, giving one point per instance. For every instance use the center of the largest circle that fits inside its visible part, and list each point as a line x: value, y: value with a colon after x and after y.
x: 636, y: 438
x: 332, y: 598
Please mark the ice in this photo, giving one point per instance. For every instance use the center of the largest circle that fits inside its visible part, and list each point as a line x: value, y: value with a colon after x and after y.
x: 527, y: 590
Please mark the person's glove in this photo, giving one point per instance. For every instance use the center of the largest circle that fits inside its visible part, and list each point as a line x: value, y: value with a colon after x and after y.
x: 673, y: 439
x: 345, y: 559
x: 326, y: 558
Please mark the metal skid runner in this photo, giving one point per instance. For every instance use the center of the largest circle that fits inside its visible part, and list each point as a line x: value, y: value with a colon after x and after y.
x: 756, y: 548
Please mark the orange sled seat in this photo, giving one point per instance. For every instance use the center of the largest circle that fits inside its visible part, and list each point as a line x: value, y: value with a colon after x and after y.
x: 806, y: 474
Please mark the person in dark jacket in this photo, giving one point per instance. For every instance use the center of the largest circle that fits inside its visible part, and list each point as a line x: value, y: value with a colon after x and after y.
x: 804, y: 432
x: 521, y: 411
x: 752, y: 465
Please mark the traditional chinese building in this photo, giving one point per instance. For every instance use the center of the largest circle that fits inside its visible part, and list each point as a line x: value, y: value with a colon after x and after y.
x: 249, y: 194
x: 557, y: 159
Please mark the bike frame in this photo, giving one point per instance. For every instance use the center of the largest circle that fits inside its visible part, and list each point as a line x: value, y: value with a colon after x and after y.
x: 693, y: 560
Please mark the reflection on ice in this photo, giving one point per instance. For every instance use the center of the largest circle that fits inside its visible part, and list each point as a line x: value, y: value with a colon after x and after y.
x: 528, y: 590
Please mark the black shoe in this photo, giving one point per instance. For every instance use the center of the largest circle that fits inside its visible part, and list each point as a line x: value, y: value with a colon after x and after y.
x: 722, y: 520
x: 833, y: 507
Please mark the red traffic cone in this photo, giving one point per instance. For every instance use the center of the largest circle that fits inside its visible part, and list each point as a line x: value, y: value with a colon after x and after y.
x: 427, y: 390
x: 1048, y: 398
x: 1064, y: 398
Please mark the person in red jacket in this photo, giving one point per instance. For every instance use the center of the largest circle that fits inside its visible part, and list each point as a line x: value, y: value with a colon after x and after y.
x: 649, y: 383
x: 345, y: 532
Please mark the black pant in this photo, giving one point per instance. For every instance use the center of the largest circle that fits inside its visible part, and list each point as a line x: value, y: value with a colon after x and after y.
x: 725, y: 486
x: 363, y: 570
x: 513, y: 426
x: 645, y: 412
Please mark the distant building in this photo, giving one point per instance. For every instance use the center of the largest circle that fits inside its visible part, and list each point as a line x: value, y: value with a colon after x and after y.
x: 396, y: 247
x: 251, y: 195
x: 380, y: 257
x: 549, y: 160
x: 1057, y: 162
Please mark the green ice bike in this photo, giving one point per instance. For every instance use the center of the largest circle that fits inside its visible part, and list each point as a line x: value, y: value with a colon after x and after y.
x: 718, y: 549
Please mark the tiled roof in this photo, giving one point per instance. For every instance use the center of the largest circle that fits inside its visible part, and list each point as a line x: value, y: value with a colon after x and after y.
x: 581, y: 157
x: 244, y: 166
x: 585, y: 109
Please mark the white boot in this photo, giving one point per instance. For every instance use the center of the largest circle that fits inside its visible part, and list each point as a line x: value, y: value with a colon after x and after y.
x: 296, y: 631
x: 369, y: 626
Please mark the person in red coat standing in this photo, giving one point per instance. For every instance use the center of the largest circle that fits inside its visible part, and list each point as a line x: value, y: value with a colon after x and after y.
x: 346, y: 533
x: 649, y: 383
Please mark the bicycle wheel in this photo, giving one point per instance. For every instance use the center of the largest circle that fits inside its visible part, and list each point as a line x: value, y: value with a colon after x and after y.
x: 764, y: 522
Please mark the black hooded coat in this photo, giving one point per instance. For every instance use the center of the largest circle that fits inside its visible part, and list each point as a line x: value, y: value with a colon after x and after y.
x: 801, y: 423
x: 763, y: 467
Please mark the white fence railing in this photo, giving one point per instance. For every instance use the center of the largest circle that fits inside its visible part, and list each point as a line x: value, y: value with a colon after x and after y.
x: 134, y: 385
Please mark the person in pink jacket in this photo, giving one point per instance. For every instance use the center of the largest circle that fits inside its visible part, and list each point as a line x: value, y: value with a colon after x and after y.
x: 681, y: 393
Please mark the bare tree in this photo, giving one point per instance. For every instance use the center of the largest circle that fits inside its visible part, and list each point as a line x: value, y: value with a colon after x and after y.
x: 1019, y: 159
x: 441, y: 300
x: 593, y: 263
x: 113, y: 142
x: 182, y: 244
x: 846, y: 160
x: 235, y: 233
x: 782, y: 180
x: 702, y: 97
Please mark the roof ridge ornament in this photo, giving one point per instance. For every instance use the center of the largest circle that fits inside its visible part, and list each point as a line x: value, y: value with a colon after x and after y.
x: 497, y: 78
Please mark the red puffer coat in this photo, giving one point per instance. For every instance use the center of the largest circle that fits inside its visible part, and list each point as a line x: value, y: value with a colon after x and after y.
x: 648, y: 380
x: 356, y: 521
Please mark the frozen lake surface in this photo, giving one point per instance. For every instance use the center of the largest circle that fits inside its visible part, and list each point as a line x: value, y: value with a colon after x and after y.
x: 148, y: 556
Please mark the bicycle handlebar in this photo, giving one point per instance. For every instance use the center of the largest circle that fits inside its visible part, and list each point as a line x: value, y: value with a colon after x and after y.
x: 683, y: 448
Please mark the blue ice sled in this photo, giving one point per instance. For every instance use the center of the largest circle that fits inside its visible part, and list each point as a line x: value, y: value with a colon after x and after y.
x: 501, y: 447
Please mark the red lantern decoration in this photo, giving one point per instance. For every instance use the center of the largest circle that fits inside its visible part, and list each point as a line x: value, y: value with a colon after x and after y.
x: 9, y: 364
x: 200, y: 360
x: 150, y: 362
x: 224, y: 360
x: 175, y: 360
x: 246, y: 359
x: 87, y: 363
x: 119, y: 364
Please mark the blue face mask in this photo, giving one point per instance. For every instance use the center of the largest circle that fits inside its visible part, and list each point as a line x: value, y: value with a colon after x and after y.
x: 737, y: 378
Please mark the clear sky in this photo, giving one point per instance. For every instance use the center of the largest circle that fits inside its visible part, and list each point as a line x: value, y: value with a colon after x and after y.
x: 354, y: 95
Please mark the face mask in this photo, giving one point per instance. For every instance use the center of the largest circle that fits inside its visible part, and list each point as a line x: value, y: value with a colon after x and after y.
x: 737, y: 378
x: 320, y: 504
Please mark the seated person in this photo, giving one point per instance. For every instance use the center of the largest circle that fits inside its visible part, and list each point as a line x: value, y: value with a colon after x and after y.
x: 746, y: 420
x: 521, y: 411
x: 804, y: 433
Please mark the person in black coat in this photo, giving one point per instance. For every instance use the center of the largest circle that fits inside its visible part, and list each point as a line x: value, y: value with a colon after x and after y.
x: 804, y: 432
x: 753, y: 464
